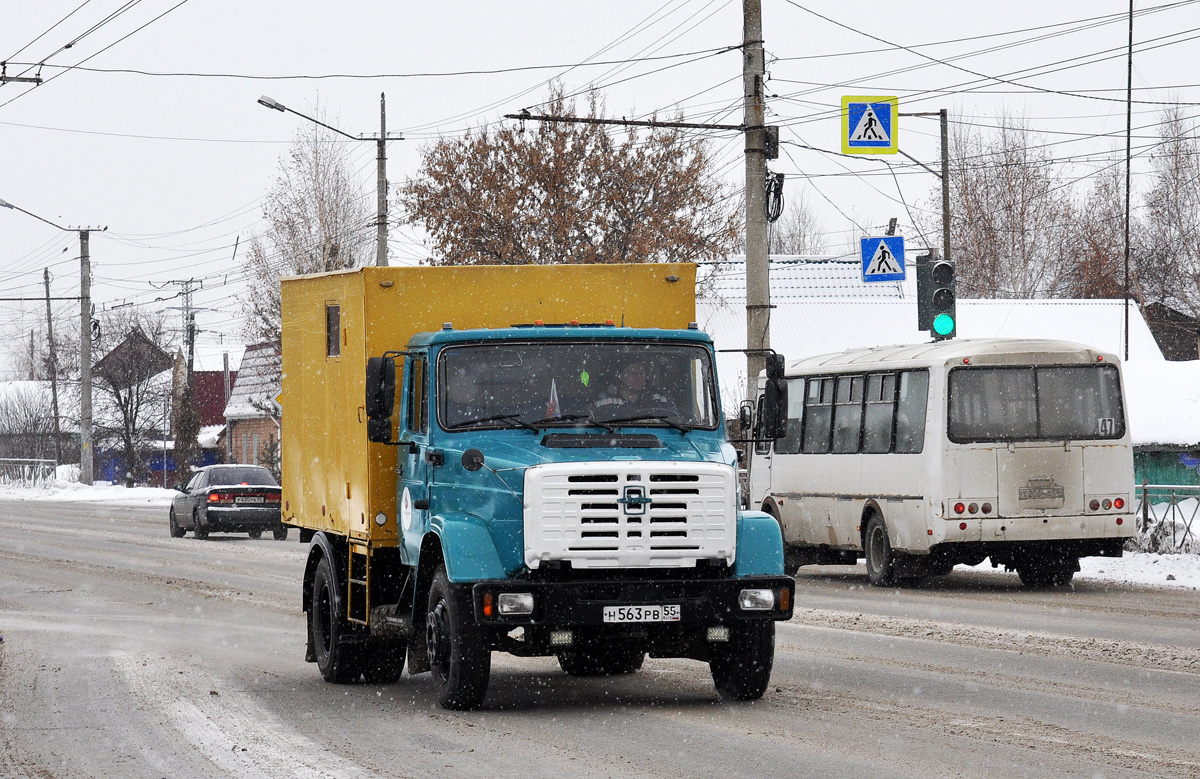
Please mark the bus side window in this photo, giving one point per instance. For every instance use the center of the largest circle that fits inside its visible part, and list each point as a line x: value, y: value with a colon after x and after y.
x: 790, y: 444
x: 847, y: 414
x: 761, y: 446
x: 818, y: 416
x: 910, y: 411
x: 881, y: 410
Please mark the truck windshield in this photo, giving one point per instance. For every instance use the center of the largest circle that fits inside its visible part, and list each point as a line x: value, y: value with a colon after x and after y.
x: 574, y: 383
x: 1035, y: 403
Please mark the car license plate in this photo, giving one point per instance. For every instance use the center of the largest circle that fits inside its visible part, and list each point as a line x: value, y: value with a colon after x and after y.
x: 252, y: 499
x: 658, y: 613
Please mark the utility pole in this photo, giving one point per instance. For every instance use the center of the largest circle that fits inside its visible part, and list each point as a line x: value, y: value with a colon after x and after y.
x: 53, y: 371
x: 381, y: 187
x: 758, y: 291
x: 85, y: 359
x: 228, y: 429
x: 944, y: 116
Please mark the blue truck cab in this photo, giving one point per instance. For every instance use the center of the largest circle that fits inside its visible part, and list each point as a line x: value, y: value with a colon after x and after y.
x: 562, y: 491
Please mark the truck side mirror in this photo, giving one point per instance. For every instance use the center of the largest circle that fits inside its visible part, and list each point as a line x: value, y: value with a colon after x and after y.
x: 775, y: 399
x: 746, y: 415
x: 380, y: 397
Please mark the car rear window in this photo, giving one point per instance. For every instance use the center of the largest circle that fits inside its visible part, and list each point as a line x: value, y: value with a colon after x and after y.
x: 219, y: 476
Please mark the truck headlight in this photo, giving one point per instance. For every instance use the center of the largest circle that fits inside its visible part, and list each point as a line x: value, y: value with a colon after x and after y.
x: 756, y: 600
x: 513, y: 603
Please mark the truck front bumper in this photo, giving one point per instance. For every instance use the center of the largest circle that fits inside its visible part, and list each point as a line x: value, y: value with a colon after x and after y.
x: 702, y: 602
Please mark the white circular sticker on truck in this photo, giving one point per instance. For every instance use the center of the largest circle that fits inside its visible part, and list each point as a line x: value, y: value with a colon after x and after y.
x: 406, y: 509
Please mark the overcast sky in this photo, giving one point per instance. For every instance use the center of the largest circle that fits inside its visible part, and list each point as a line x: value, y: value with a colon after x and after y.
x: 176, y: 165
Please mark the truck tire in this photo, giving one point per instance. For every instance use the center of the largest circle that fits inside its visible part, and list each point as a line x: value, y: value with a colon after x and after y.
x: 384, y: 662
x: 877, y: 549
x: 337, y: 662
x: 460, y: 661
x: 280, y: 533
x: 741, y: 669
x: 176, y: 530
x: 602, y: 659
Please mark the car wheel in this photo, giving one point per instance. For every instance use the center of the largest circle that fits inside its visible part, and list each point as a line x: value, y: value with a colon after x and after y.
x: 199, y: 525
x: 176, y: 530
x: 337, y: 661
x: 256, y: 534
x: 280, y: 533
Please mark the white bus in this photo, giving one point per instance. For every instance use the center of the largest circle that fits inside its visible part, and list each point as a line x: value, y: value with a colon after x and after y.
x: 922, y: 457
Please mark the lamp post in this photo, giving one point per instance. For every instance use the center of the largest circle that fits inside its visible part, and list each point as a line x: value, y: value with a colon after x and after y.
x: 380, y: 164
x: 85, y: 341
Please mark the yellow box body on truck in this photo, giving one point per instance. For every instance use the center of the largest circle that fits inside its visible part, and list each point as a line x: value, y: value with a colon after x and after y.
x: 334, y: 479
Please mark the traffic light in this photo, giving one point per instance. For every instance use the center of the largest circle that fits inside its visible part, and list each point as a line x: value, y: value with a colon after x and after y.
x: 936, y: 297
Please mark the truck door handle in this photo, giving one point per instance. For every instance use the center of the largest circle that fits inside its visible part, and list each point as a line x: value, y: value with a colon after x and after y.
x: 421, y: 503
x: 434, y: 456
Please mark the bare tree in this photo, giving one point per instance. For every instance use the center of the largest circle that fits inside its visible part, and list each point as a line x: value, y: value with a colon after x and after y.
x: 798, y: 231
x: 1012, y: 213
x: 26, y: 420
x: 1099, y: 237
x: 1169, y: 263
x: 559, y: 192
x: 317, y: 220
x: 133, y: 385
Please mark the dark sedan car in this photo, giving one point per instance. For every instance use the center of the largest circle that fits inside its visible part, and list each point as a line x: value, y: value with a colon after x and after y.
x: 228, y: 499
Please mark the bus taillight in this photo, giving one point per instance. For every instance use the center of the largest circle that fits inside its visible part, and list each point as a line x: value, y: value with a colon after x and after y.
x: 1119, y: 503
x: 959, y: 508
x: 986, y: 508
x: 1094, y: 505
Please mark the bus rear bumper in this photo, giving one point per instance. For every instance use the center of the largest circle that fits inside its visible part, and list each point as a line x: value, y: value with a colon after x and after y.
x: 1010, y: 530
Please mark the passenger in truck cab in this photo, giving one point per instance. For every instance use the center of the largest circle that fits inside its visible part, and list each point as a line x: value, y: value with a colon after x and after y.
x: 629, y: 393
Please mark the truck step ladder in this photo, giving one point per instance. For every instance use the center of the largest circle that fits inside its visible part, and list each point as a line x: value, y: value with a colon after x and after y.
x: 358, y: 583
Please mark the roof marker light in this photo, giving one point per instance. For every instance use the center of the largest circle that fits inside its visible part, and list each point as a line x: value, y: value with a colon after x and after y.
x: 966, y: 361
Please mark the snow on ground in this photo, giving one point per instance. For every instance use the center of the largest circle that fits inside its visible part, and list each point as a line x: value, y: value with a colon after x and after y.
x: 1142, y: 568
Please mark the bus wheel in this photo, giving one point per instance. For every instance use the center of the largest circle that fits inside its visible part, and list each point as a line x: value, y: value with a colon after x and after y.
x: 458, y: 657
x: 741, y: 669
x: 1043, y: 573
x: 881, y: 562
x: 336, y: 661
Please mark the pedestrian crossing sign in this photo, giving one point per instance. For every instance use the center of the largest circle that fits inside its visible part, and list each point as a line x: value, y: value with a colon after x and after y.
x: 870, y: 124
x: 883, y: 258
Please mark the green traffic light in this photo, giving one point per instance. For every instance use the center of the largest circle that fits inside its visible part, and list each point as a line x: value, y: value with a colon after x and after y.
x: 943, y: 324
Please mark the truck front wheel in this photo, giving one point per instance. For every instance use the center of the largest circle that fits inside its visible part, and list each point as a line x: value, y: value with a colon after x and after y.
x: 458, y: 657
x: 741, y: 669
x: 336, y: 661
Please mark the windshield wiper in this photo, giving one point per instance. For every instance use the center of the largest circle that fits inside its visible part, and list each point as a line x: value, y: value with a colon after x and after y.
x: 643, y: 417
x: 499, y: 418
x: 571, y: 418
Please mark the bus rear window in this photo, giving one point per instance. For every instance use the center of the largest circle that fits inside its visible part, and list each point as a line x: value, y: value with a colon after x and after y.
x: 1035, y: 403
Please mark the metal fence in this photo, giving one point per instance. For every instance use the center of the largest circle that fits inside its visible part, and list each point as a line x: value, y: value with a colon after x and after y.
x: 1168, y: 518
x: 26, y: 473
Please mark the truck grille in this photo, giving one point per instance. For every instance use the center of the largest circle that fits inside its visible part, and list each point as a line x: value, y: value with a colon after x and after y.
x: 629, y: 514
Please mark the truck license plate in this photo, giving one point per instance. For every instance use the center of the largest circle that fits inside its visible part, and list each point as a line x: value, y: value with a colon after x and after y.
x: 666, y: 613
x: 255, y: 499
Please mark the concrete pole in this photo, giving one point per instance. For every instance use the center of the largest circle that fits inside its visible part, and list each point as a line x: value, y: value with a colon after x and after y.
x: 758, y: 293
x: 53, y: 371
x: 85, y: 360
x: 228, y: 429
x: 945, y: 118
x: 381, y: 231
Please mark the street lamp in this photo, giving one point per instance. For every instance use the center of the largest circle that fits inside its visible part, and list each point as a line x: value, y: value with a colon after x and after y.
x: 85, y: 341
x: 380, y: 161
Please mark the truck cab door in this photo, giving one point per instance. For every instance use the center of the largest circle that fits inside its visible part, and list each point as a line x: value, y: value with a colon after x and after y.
x: 414, y: 466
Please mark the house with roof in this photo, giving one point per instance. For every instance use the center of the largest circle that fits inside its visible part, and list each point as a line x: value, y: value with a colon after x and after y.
x: 253, y: 413
x: 821, y: 305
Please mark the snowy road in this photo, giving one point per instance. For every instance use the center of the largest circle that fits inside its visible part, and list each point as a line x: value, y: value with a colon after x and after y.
x: 132, y: 654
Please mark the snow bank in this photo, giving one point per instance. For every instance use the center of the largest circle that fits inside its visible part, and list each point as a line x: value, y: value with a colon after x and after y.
x: 70, y: 491
x: 1145, y: 568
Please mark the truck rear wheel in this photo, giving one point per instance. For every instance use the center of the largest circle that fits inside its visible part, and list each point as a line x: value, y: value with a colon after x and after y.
x: 741, y: 668
x: 602, y: 659
x: 336, y: 661
x: 460, y: 661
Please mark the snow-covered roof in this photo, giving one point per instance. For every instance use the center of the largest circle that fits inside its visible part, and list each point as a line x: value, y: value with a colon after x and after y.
x: 208, y: 436
x: 257, y: 383
x: 211, y: 357
x: 1164, y: 402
